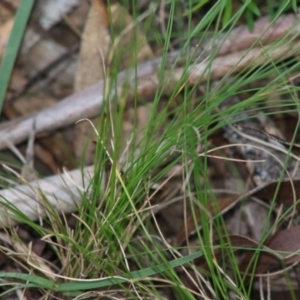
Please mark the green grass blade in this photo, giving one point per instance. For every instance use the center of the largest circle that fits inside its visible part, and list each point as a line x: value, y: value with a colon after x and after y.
x: 13, y: 45
x: 92, y: 284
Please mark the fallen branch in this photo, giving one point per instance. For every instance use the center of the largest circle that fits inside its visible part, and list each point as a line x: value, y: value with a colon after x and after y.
x: 144, y: 79
x: 62, y: 192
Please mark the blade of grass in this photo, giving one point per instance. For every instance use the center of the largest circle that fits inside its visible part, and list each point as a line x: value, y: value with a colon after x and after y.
x: 98, y: 283
x: 12, y: 47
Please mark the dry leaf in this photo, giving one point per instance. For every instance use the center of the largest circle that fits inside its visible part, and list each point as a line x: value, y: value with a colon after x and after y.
x: 5, y: 30
x: 95, y: 42
x: 93, y: 57
x: 92, y: 60
x: 214, y: 209
x: 285, y: 192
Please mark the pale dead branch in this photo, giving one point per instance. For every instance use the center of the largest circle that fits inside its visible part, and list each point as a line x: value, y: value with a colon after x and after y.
x: 87, y: 104
x: 63, y: 192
